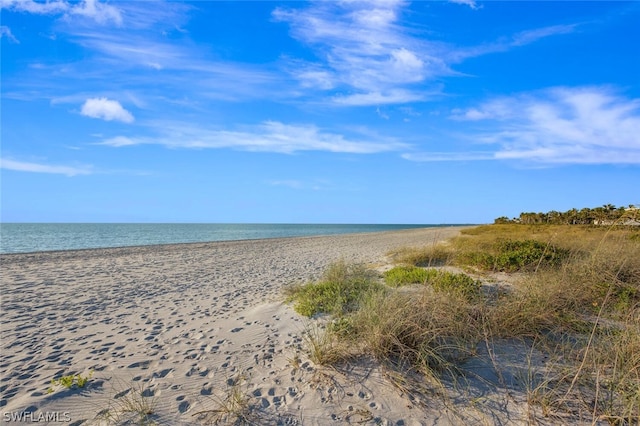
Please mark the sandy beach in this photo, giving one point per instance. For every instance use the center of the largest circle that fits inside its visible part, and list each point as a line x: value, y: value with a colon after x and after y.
x: 179, y: 327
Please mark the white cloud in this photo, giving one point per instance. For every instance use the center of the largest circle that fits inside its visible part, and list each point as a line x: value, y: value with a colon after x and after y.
x: 531, y: 36
x: 106, y: 109
x: 471, y: 3
x: 582, y: 125
x: 99, y: 12
x: 184, y: 65
x: 6, y: 32
x: 270, y: 136
x: 367, y: 51
x: 522, y: 38
x: 40, y: 8
x: 397, y: 96
x: 22, y: 166
x: 364, y: 48
x: 449, y: 156
x: 119, y: 141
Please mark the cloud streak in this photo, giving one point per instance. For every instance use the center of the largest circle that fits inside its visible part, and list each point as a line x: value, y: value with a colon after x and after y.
x: 6, y: 32
x: 22, y: 166
x: 471, y: 3
x: 95, y: 10
x: 269, y: 136
x: 520, y: 39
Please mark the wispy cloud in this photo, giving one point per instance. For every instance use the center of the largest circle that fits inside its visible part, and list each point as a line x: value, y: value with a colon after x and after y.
x: 40, y: 8
x: 22, y: 166
x: 471, y: 3
x: 139, y: 58
x: 6, y: 32
x: 583, y: 125
x: 395, y: 96
x: 504, y: 44
x: 449, y: 156
x: 106, y: 109
x: 97, y: 11
x: 370, y: 56
x: 364, y: 48
x: 269, y: 136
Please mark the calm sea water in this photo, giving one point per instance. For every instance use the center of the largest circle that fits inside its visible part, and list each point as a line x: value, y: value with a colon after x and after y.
x: 32, y: 237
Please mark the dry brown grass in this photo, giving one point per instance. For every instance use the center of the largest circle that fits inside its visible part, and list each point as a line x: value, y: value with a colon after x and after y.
x: 582, y: 311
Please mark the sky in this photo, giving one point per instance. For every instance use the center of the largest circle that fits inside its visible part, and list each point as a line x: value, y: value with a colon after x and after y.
x: 425, y: 112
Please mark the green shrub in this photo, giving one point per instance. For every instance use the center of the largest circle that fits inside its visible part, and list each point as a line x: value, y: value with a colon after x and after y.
x: 449, y: 282
x: 516, y: 255
x: 71, y: 381
x: 339, y: 292
x: 442, y: 281
x: 403, y: 275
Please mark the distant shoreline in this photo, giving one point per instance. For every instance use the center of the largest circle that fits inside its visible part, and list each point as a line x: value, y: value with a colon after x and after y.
x: 183, y: 233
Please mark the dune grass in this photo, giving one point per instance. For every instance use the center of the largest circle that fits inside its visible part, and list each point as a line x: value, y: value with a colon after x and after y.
x: 439, y: 280
x: 340, y: 291
x: 573, y: 290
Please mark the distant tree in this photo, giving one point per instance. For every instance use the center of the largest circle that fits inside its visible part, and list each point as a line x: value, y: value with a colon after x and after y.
x: 607, y: 213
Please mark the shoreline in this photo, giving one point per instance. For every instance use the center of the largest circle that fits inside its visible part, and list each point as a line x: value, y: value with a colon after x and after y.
x: 137, y: 246
x: 176, y: 323
x: 208, y: 243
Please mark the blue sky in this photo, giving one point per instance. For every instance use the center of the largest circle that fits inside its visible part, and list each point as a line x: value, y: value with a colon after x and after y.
x: 317, y: 112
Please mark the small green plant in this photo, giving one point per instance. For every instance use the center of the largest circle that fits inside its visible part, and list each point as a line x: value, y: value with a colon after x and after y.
x: 70, y: 381
x: 324, y: 345
x: 233, y: 408
x: 339, y: 292
x: 516, y: 255
x: 450, y: 282
x: 82, y: 381
x: 133, y: 405
x: 342, y: 326
x: 403, y: 275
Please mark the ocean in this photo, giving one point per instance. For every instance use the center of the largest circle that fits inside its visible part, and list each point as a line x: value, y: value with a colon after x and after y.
x: 34, y: 237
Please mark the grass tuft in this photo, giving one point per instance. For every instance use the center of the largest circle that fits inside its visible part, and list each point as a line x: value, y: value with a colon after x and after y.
x: 232, y: 408
x: 132, y: 405
x: 340, y: 291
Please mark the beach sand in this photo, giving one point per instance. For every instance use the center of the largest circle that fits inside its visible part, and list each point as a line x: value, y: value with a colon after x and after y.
x: 179, y: 328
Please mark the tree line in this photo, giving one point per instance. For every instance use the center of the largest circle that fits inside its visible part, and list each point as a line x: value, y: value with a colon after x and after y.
x: 606, y: 214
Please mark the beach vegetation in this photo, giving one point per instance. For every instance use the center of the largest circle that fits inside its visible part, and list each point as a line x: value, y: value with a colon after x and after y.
x: 233, y: 407
x: 439, y: 280
x: 569, y: 295
x: 403, y: 275
x: 71, y: 381
x: 131, y: 404
x: 325, y: 345
x: 428, y: 256
x: 607, y: 214
x: 340, y: 290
